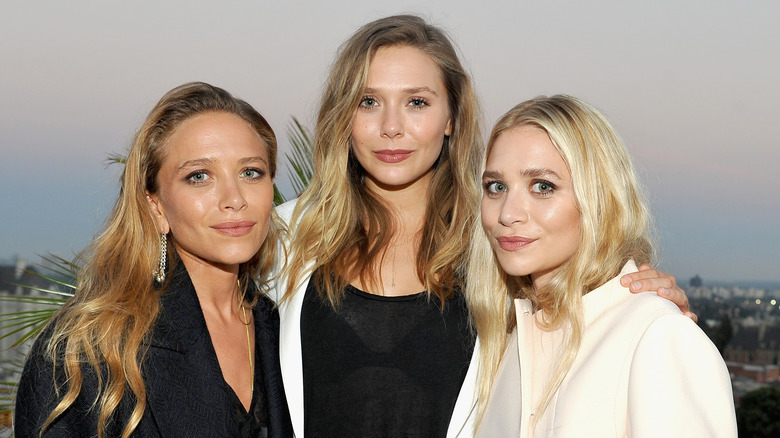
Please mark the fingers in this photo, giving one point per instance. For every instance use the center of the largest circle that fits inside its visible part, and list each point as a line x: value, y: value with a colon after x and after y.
x: 648, y: 279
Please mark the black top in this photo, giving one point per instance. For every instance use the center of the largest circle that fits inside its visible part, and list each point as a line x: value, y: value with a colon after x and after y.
x: 382, y: 366
x: 186, y: 393
x: 252, y: 423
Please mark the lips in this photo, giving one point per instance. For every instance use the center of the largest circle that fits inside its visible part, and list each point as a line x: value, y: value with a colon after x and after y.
x: 513, y: 243
x: 235, y: 229
x: 392, y: 155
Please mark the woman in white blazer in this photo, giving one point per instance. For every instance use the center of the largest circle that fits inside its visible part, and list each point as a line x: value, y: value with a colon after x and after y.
x: 563, y: 215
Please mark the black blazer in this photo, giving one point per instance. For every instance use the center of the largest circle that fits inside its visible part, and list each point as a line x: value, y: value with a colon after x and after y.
x: 181, y: 373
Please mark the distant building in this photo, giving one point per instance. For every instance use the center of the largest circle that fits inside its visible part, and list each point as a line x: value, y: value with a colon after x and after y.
x: 18, y: 280
x: 695, y: 281
x: 758, y: 345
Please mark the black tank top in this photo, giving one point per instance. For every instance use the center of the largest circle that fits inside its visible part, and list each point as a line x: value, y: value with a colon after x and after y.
x: 382, y: 366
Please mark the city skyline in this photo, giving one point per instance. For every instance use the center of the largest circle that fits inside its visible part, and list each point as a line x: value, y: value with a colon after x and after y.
x: 691, y: 86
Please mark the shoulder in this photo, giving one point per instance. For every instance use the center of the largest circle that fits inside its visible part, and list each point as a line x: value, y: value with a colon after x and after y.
x: 676, y: 366
x: 41, y: 387
x: 266, y: 313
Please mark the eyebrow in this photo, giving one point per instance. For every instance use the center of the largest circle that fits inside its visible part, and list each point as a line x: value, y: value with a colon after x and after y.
x: 413, y: 90
x: 534, y: 172
x: 208, y: 161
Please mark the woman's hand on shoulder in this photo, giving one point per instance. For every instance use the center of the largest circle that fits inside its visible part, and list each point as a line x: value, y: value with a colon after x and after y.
x: 648, y: 279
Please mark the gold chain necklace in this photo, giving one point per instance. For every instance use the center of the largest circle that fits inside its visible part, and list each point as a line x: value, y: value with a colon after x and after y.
x: 249, y: 349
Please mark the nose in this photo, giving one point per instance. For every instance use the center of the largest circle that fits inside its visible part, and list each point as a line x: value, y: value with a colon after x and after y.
x: 231, y: 195
x: 513, y: 210
x: 392, y: 122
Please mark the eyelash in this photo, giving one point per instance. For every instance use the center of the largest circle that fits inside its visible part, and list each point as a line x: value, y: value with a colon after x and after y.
x: 420, y: 102
x: 490, y: 189
x: 190, y: 177
x: 260, y: 173
x: 414, y: 102
x: 551, y: 188
x: 364, y: 100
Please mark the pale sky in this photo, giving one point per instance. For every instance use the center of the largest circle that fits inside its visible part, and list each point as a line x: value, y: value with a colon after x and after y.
x: 692, y: 86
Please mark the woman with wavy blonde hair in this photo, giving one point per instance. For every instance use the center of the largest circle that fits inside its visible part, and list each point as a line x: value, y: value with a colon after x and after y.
x: 375, y: 333
x: 563, y: 217
x: 377, y: 240
x: 167, y: 333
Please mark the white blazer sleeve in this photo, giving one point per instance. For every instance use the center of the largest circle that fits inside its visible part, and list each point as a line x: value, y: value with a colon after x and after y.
x: 679, y: 385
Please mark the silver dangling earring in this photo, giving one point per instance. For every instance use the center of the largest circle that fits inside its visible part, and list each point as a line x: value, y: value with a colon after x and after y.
x: 159, y: 274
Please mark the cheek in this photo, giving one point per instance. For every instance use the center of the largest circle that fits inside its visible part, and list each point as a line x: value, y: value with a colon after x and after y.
x: 487, y: 215
x: 569, y: 225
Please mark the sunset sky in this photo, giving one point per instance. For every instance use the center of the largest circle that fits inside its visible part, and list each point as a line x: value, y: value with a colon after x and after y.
x: 692, y: 86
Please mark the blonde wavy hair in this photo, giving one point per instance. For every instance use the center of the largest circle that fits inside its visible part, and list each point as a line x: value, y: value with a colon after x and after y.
x: 343, y: 226
x: 615, y: 226
x: 106, y: 323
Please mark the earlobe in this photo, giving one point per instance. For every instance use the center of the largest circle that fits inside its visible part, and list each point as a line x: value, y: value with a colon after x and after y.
x: 448, y: 128
x: 158, y: 213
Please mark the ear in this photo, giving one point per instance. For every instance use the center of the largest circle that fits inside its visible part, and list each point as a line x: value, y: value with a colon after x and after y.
x: 158, y: 212
x: 448, y: 128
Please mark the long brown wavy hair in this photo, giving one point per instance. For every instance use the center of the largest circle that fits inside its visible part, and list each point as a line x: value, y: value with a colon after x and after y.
x: 105, y: 325
x: 345, y: 228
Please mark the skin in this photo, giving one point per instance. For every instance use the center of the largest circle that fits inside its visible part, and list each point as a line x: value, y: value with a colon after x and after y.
x: 392, y: 116
x: 215, y: 197
x: 397, y: 135
x: 527, y: 189
x: 529, y: 210
x: 399, y: 128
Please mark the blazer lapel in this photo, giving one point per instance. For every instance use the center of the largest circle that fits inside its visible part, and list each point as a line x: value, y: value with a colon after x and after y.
x: 267, y: 349
x: 181, y: 368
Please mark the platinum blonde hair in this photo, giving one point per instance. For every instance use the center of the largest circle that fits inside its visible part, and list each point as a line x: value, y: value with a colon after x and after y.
x: 615, y: 227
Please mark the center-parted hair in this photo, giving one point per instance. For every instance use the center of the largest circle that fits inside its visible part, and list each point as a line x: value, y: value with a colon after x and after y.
x: 105, y: 325
x: 341, y: 225
x: 615, y: 226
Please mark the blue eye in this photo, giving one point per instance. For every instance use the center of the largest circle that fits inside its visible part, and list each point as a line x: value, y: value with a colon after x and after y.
x: 543, y: 187
x: 253, y: 173
x: 418, y: 102
x: 495, y: 187
x: 368, y: 102
x: 197, y: 177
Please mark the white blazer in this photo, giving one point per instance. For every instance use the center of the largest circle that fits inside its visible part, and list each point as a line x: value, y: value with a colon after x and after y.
x: 643, y: 370
x: 462, y: 421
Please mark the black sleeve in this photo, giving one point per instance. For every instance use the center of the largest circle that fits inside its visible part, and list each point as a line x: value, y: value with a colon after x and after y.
x: 36, y: 398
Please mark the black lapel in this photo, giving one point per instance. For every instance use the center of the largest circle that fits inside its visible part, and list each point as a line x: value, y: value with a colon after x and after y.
x: 181, y: 369
x: 267, y: 346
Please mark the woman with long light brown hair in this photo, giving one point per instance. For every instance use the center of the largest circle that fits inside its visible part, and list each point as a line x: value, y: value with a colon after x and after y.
x: 168, y: 333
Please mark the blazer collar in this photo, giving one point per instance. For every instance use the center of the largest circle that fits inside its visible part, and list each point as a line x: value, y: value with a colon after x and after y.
x: 181, y: 322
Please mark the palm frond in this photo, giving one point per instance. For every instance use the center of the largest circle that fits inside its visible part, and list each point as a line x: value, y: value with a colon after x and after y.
x: 278, y: 197
x: 116, y: 159
x: 27, y: 323
x: 299, y: 163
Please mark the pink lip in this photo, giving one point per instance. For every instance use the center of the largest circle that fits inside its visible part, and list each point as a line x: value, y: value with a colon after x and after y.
x: 235, y: 229
x: 513, y: 243
x: 392, y: 155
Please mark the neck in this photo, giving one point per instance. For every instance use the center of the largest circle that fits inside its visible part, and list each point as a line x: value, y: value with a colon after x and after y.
x: 408, y: 203
x: 215, y: 285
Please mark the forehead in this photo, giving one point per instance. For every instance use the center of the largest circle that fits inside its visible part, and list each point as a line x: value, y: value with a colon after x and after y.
x: 525, y: 147
x: 215, y: 132
x: 404, y: 64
